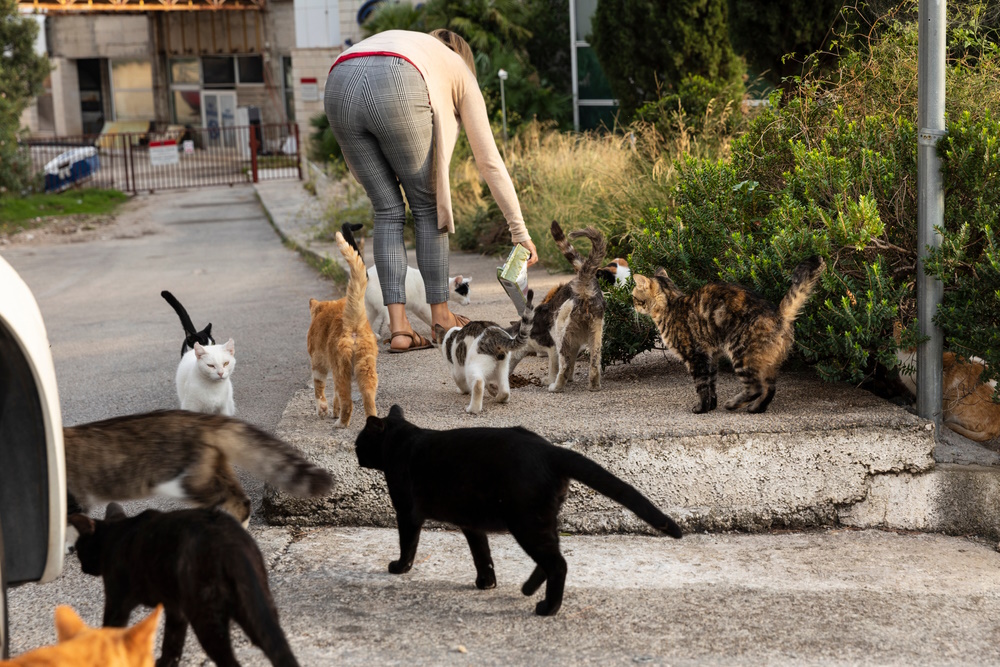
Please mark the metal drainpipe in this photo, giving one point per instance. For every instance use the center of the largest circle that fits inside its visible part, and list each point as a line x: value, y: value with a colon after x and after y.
x: 930, y: 206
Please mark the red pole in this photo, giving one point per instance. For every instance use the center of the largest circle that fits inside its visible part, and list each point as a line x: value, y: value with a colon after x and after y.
x: 253, y: 152
x: 298, y: 149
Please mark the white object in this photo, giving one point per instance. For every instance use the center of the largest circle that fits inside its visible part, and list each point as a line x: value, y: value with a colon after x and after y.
x: 21, y: 319
x: 203, y: 379
x: 416, y: 298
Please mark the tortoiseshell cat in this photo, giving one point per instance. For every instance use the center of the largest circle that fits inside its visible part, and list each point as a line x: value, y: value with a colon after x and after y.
x: 572, y: 315
x: 81, y: 646
x: 199, y: 564
x: 723, y: 318
x: 489, y: 479
x: 479, y: 354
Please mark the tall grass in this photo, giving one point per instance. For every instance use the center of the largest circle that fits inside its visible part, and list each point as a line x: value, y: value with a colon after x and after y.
x: 609, y: 180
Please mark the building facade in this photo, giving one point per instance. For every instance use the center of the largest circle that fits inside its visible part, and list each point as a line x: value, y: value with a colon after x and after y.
x: 138, y: 64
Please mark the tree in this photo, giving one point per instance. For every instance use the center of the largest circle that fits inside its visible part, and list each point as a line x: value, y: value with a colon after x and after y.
x: 496, y: 30
x: 22, y: 72
x: 766, y: 32
x: 647, y: 47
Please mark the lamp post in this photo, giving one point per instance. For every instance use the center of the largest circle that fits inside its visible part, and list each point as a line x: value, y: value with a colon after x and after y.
x: 503, y: 103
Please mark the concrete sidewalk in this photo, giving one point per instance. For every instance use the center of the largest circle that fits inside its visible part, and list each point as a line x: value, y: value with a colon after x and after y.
x: 823, y: 454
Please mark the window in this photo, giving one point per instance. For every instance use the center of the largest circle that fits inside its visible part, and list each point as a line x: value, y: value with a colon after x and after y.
x: 132, y: 86
x: 218, y: 72
x: 185, y: 70
x: 228, y: 71
x: 251, y: 69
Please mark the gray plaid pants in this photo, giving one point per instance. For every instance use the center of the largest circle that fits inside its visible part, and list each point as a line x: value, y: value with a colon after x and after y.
x: 380, y: 113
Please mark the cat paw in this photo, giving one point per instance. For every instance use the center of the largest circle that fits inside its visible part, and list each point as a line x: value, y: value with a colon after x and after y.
x: 595, y: 386
x: 555, y: 387
x: 486, y: 581
x: 543, y: 608
x: 341, y: 424
x: 700, y: 408
x: 473, y: 410
x: 322, y: 409
x: 503, y: 398
x: 398, y: 567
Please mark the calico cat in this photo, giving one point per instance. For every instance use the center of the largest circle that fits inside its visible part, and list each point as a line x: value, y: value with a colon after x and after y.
x: 191, y: 336
x: 489, y: 479
x: 723, y: 318
x: 416, y: 298
x: 80, y: 646
x: 479, y: 354
x: 204, y: 382
x: 185, y: 455
x: 615, y: 273
x: 572, y: 315
x: 341, y: 340
x: 199, y: 564
x: 966, y: 402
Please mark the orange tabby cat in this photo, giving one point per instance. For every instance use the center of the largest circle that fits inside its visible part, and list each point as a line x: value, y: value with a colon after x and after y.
x: 81, y: 646
x: 340, y: 339
x: 967, y: 404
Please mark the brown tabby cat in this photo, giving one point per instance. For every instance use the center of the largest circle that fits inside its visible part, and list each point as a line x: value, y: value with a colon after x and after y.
x: 723, y: 318
x: 80, y: 646
x: 340, y: 339
x: 571, y: 316
x: 185, y: 455
x: 967, y: 404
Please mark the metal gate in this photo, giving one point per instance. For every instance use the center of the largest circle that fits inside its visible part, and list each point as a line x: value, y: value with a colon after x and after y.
x: 150, y: 161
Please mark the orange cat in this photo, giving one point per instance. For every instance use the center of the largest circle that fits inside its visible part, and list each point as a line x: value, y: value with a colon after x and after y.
x: 340, y: 339
x: 967, y: 404
x: 81, y: 646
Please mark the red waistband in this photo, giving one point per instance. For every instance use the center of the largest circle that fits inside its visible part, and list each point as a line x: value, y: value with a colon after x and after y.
x: 362, y: 54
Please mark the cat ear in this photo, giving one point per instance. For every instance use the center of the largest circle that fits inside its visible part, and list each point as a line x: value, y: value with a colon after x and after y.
x: 641, y: 282
x: 374, y: 424
x: 208, y: 330
x: 439, y: 333
x: 68, y: 623
x: 664, y: 280
x: 199, y: 351
x: 231, y: 347
x: 456, y: 281
x: 84, y: 524
x: 141, y: 637
x: 396, y: 411
x: 114, y: 512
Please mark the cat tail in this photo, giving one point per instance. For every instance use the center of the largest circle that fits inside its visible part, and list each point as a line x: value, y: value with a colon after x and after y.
x: 256, y: 611
x: 565, y: 247
x: 348, y: 229
x: 181, y: 313
x: 586, y: 275
x: 267, y: 457
x: 354, y: 311
x: 527, y: 321
x: 582, y: 469
x: 804, y: 279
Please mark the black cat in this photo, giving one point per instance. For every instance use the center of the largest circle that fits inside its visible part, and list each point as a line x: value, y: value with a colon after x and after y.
x: 199, y: 563
x: 489, y: 479
x: 204, y: 337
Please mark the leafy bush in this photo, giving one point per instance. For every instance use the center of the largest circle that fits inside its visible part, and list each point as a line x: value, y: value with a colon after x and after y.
x: 323, y: 146
x: 817, y: 176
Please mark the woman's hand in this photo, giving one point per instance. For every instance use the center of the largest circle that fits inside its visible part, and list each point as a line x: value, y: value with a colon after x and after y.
x: 530, y: 245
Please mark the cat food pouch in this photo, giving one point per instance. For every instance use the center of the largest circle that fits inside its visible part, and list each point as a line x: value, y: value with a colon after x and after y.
x: 513, y: 276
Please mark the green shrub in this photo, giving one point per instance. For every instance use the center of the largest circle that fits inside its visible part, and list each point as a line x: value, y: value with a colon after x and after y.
x: 323, y: 146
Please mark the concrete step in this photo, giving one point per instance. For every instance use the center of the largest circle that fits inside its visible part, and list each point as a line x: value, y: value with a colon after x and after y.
x: 821, y: 450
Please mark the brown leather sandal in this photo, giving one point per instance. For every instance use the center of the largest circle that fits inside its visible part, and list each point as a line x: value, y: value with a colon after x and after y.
x: 417, y: 342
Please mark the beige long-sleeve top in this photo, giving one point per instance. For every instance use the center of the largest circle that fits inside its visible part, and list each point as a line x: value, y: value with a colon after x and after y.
x: 455, y: 99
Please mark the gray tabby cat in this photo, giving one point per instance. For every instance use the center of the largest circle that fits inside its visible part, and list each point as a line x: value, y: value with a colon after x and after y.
x: 479, y: 354
x: 571, y: 316
x: 185, y: 455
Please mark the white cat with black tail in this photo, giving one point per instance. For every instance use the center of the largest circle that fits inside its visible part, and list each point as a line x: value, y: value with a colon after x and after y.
x: 204, y: 382
x: 416, y: 298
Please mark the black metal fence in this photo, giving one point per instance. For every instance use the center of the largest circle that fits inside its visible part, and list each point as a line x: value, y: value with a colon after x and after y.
x: 150, y: 161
